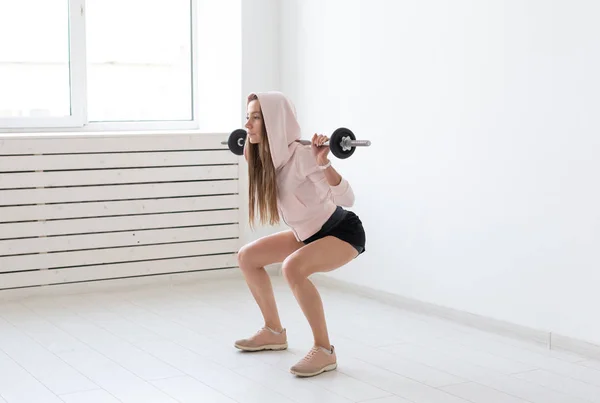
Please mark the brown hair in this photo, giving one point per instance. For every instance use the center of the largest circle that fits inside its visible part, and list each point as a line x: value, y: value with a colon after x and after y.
x: 262, y: 184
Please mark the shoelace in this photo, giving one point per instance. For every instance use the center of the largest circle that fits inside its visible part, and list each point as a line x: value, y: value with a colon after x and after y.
x: 311, y: 353
x: 260, y: 331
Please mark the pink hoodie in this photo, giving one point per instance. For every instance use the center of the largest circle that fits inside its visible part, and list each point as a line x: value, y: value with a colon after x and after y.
x: 305, y: 198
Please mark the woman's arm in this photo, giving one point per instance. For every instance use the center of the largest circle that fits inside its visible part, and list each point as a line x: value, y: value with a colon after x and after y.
x: 341, y: 190
x: 332, y: 176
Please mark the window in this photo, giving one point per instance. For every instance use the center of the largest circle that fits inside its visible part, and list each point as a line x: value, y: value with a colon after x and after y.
x: 97, y: 63
x: 34, y: 60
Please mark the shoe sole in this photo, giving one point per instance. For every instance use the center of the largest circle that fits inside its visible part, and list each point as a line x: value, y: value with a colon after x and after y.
x: 330, y: 367
x: 275, y: 347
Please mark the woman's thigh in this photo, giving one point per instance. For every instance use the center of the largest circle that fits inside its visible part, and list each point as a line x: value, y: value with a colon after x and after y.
x: 323, y: 255
x: 270, y: 249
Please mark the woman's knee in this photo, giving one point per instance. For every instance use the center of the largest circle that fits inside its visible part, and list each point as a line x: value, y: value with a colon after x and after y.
x: 244, y: 257
x: 292, y: 270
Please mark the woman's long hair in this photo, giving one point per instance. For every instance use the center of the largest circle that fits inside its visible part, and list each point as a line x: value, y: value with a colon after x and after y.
x: 262, y: 183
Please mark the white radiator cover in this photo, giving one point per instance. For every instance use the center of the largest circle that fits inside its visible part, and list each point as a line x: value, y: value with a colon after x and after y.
x: 86, y: 207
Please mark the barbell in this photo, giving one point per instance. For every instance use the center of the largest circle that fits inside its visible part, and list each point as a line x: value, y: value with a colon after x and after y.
x: 342, y: 142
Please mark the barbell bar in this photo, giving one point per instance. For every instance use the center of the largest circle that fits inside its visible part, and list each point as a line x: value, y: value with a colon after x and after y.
x: 342, y: 142
x: 346, y: 143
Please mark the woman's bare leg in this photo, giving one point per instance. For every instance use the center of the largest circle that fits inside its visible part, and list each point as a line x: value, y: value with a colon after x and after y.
x: 323, y: 255
x: 252, y: 259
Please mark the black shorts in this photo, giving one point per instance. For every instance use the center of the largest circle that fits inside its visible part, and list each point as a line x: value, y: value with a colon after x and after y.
x: 344, y: 225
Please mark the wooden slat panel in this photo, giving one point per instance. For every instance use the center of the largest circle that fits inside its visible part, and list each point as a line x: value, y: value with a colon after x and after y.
x: 115, y: 255
x: 118, y: 160
x: 116, y: 176
x: 116, y: 192
x: 125, y: 223
x: 88, y: 273
x: 101, y: 206
x: 54, y: 143
x: 114, y: 239
x: 115, y: 208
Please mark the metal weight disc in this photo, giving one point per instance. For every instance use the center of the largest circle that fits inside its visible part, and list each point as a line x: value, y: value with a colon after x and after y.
x: 236, y: 141
x: 335, y: 143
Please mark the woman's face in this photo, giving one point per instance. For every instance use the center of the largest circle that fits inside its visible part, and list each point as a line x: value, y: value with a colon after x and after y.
x: 254, y: 122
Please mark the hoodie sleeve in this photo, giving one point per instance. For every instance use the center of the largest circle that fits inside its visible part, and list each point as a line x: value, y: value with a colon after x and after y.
x: 341, y: 194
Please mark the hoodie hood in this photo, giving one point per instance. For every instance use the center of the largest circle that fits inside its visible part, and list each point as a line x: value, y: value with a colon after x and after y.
x: 283, y: 129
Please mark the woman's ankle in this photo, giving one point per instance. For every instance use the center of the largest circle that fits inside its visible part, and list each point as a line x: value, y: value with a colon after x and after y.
x: 274, y: 328
x: 326, y: 346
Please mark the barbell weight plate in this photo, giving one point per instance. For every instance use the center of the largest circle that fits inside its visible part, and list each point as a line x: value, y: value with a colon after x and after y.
x: 236, y: 141
x: 335, y: 143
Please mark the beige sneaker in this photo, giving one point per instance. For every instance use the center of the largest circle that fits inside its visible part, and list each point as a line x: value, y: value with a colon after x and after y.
x: 317, y: 360
x: 264, y: 339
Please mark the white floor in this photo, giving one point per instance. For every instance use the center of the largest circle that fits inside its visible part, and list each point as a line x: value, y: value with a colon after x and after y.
x: 174, y: 344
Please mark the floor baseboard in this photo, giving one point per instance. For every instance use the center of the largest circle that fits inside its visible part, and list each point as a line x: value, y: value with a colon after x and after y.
x: 576, y: 346
x: 539, y: 337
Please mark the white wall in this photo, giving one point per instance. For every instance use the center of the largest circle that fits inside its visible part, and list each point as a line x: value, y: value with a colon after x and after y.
x: 481, y: 189
x: 219, y: 64
x: 260, y: 72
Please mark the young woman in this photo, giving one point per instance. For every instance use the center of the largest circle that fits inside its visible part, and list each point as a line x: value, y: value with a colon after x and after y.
x: 296, y: 183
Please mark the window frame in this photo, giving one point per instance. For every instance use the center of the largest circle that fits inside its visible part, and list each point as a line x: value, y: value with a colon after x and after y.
x: 78, y: 121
